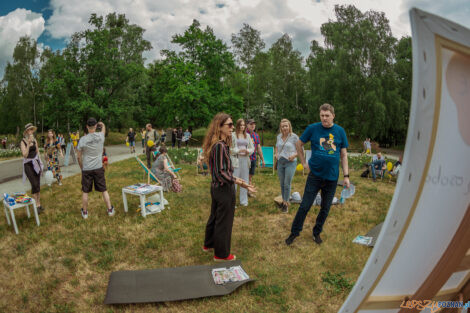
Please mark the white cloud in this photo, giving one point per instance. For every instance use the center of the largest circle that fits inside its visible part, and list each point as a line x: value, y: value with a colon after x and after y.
x: 163, y: 19
x: 301, y: 19
x: 14, y: 25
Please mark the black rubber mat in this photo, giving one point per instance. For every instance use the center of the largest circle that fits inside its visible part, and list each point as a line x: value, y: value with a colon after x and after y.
x: 167, y: 284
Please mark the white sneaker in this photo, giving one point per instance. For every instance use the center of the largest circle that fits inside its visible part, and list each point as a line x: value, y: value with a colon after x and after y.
x: 111, y: 211
x: 84, y: 214
x: 60, y: 183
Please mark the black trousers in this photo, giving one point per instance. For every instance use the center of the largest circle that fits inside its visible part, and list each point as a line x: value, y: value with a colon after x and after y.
x: 219, y: 225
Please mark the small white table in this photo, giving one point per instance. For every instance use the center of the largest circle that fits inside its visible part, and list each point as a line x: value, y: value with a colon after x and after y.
x: 143, y: 192
x: 9, y: 211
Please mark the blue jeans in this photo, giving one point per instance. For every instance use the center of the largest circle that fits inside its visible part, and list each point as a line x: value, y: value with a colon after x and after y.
x: 312, y: 186
x: 376, y: 166
x: 285, y: 171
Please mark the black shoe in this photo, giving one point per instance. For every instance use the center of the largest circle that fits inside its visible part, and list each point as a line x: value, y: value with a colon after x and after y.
x: 40, y: 209
x: 284, y: 208
x: 290, y: 239
x: 317, y: 239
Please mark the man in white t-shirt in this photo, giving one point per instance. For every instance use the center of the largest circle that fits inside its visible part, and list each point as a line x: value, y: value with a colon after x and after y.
x: 90, y: 159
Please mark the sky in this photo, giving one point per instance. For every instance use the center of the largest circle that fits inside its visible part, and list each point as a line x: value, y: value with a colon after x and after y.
x: 52, y: 22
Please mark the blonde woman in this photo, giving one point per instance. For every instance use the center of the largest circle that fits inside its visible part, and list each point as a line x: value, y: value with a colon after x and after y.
x: 285, y: 153
x: 243, y: 147
x: 216, y: 149
x: 52, y: 150
x: 32, y: 164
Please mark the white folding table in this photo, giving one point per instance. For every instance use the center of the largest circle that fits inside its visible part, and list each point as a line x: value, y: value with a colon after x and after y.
x: 9, y: 211
x: 143, y: 193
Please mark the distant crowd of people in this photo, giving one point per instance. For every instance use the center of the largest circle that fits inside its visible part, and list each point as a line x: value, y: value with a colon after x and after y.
x: 229, y: 152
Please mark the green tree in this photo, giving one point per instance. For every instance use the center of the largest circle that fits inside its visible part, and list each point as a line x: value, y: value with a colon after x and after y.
x: 355, y: 72
x: 189, y: 87
x: 21, y: 83
x: 246, y: 45
x: 107, y: 64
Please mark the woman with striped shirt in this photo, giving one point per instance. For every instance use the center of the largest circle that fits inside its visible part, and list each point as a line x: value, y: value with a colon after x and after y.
x: 217, y: 151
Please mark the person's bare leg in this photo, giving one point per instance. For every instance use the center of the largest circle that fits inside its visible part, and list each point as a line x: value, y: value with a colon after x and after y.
x: 106, y: 199
x: 85, y: 201
x: 37, y: 198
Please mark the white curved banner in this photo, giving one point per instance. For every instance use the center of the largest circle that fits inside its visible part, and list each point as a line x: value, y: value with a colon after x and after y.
x: 431, y: 201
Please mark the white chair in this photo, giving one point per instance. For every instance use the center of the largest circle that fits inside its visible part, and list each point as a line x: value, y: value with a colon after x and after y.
x: 9, y: 211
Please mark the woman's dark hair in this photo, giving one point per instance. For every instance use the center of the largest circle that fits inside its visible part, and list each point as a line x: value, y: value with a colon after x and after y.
x: 163, y: 149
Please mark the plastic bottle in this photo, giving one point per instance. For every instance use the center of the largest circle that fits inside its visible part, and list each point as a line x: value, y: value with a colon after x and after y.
x: 342, y: 199
x: 347, y: 193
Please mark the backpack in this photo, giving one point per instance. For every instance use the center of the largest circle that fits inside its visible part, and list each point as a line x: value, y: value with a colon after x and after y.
x: 365, y: 174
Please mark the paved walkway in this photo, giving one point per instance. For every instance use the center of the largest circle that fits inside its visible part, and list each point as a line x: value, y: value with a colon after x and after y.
x: 11, y: 170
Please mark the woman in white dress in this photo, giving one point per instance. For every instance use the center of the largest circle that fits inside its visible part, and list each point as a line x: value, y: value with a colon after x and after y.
x: 242, y: 148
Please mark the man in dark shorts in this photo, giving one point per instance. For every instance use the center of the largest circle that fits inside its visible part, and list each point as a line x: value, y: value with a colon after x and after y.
x: 90, y: 151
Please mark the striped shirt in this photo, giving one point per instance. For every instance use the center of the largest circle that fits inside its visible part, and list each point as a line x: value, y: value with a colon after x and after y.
x: 221, y: 165
x: 256, y: 142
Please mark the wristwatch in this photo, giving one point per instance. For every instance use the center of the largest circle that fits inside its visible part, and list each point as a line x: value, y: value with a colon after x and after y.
x: 347, y: 175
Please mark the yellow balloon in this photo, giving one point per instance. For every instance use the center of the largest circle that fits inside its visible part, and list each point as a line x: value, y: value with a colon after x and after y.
x: 389, y: 166
x: 150, y: 143
x: 299, y: 167
x: 127, y: 144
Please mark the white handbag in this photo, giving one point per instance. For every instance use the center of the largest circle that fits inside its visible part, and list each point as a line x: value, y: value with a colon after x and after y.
x: 49, y: 177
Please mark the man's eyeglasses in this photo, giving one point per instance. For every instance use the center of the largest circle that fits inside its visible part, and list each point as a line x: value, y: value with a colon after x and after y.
x: 230, y: 125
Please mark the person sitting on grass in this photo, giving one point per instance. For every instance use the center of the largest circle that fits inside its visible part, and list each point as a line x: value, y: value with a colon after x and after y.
x: 90, y: 159
x: 377, y: 165
x: 162, y: 171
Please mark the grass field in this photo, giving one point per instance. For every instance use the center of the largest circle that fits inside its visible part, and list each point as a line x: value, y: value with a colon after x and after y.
x: 64, y: 265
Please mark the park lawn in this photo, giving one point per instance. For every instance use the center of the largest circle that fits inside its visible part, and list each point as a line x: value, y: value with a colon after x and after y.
x: 64, y: 265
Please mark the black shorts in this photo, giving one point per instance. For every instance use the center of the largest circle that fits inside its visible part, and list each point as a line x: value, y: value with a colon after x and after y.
x: 252, y: 167
x: 95, y: 177
x: 33, y: 177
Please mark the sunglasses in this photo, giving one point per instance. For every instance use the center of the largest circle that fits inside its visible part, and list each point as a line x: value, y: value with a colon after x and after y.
x: 230, y: 125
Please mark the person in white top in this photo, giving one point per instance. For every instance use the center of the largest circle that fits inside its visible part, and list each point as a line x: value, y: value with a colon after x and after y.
x: 242, y: 148
x: 90, y: 160
x: 285, y: 153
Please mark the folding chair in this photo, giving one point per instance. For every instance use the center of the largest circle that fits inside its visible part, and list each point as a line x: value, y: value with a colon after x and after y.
x: 308, y: 155
x: 173, y: 167
x: 149, y: 173
x: 268, y: 154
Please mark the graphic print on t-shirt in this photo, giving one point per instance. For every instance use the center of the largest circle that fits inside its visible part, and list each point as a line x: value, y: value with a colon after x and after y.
x: 328, y: 144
